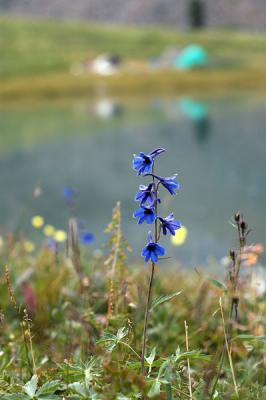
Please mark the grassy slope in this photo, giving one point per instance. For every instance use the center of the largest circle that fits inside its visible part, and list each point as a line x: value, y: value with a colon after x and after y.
x: 45, y: 51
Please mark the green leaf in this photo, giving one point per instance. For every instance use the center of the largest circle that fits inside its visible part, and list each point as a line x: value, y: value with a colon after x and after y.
x: 151, y: 357
x: 218, y: 284
x: 121, y: 333
x: 48, y: 388
x: 251, y: 338
x: 122, y: 397
x: 163, y: 299
x: 111, y: 341
x: 18, y: 396
x: 137, y: 364
x: 155, y: 389
x: 106, y: 337
x: 78, y: 387
x: 49, y: 397
x: 31, y: 386
x: 193, y: 355
x: 110, y: 346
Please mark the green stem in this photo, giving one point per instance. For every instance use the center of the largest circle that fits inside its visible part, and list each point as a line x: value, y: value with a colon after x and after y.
x: 131, y: 348
x: 147, y: 313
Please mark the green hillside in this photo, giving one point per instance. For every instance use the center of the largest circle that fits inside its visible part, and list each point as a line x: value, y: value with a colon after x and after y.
x: 47, y: 50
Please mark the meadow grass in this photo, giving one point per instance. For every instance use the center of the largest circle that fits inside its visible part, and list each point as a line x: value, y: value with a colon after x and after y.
x: 80, y: 337
x: 37, y: 56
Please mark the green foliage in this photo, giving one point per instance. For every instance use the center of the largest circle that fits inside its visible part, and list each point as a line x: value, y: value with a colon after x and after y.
x: 82, y: 352
x: 31, y: 391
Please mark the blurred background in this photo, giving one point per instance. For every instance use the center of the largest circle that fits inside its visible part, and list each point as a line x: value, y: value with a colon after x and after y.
x: 85, y: 84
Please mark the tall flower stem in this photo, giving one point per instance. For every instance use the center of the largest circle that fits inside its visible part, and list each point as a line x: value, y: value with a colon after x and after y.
x: 148, y: 301
x: 148, y: 211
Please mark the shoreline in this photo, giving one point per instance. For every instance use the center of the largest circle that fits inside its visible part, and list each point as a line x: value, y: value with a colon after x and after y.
x: 58, y: 86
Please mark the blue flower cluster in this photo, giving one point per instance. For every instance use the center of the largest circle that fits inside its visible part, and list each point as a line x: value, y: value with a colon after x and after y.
x: 148, y: 199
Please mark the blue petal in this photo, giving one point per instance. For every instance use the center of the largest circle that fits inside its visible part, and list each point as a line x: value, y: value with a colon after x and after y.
x: 137, y: 162
x: 156, y: 152
x: 150, y: 218
x: 171, y: 230
x: 176, y: 225
x: 145, y: 251
x: 141, y: 170
x: 170, y: 217
x: 147, y: 168
x: 154, y: 257
x: 139, y: 196
x: 160, y: 250
x: 164, y: 230
x: 147, y: 257
x: 141, y: 220
x: 138, y: 213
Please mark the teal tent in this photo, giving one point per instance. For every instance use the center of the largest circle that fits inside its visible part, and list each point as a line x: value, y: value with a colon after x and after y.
x: 192, y: 56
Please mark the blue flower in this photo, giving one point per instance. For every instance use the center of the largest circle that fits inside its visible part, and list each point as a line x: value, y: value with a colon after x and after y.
x: 86, y: 238
x: 152, y: 250
x: 145, y: 214
x: 51, y: 244
x: 68, y: 193
x: 145, y: 194
x: 143, y: 162
x: 170, y: 183
x: 170, y: 224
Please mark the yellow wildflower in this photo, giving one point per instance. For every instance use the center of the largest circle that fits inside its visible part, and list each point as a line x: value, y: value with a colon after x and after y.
x: 49, y: 230
x: 29, y: 247
x: 37, y: 221
x: 180, y: 236
x: 60, y: 236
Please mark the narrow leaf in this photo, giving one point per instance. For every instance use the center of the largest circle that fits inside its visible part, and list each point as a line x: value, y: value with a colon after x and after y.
x: 251, y: 338
x: 218, y: 284
x: 163, y: 299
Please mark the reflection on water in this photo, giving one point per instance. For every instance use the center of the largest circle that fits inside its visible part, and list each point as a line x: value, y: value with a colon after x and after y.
x: 217, y: 145
x: 198, y: 113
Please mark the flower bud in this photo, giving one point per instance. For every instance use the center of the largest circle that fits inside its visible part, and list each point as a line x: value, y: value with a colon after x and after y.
x: 243, y: 226
x: 237, y: 217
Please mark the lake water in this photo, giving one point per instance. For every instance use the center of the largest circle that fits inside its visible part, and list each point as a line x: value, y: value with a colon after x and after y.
x: 217, y: 145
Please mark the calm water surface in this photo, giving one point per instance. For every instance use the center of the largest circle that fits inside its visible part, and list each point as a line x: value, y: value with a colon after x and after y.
x: 217, y: 146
